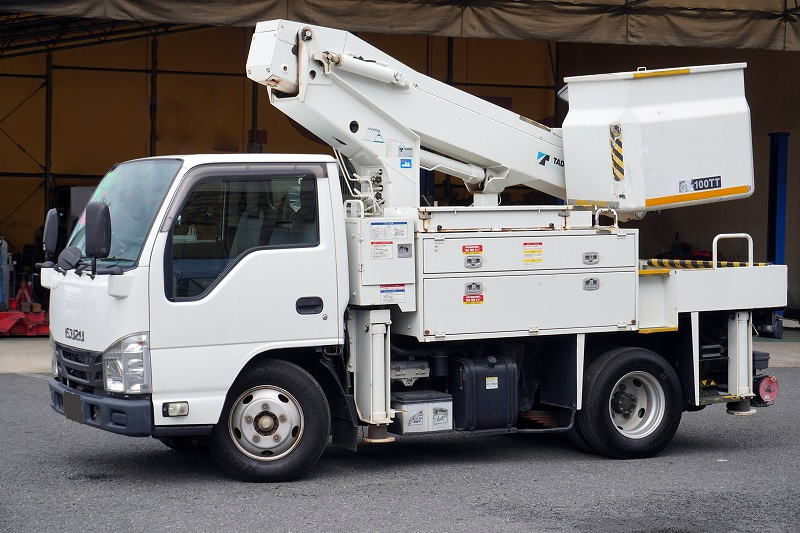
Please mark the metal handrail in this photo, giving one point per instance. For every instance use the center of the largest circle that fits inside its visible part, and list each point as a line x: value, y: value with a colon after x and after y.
x: 350, y: 208
x: 606, y: 210
x: 732, y: 236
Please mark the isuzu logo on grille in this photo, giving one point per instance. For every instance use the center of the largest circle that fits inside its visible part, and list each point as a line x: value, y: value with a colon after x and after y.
x: 74, y: 334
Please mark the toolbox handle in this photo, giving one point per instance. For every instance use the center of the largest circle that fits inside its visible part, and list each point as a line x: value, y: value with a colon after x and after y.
x: 732, y: 236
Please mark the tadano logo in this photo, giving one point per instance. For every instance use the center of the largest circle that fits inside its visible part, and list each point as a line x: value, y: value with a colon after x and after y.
x: 543, y: 158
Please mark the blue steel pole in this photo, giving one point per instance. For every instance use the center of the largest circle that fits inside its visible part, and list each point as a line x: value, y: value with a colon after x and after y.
x: 778, y: 173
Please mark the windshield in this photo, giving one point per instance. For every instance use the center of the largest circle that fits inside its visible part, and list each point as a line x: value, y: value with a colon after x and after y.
x: 133, y: 192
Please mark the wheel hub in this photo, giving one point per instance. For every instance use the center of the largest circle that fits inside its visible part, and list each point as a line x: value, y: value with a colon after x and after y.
x: 637, y: 404
x: 266, y: 423
x: 623, y: 403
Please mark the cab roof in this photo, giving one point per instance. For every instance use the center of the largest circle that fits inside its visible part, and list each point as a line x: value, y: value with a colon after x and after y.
x: 191, y: 160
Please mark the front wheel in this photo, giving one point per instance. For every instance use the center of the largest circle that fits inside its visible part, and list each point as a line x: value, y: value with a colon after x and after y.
x: 632, y: 403
x: 274, y: 425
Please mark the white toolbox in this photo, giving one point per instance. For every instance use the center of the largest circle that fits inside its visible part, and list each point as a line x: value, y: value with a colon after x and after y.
x: 421, y: 412
x: 529, y: 304
x: 498, y: 253
x: 520, y: 283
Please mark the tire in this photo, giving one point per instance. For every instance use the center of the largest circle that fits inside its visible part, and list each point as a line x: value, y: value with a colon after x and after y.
x: 577, y: 439
x: 279, y: 432
x: 632, y: 404
x: 186, y: 444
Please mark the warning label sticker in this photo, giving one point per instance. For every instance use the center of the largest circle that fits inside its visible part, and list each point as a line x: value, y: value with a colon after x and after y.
x: 473, y: 298
x: 393, y: 294
x: 417, y: 419
x: 373, y: 135
x: 532, y: 252
x: 492, y: 382
x: 389, y: 230
x: 441, y: 415
x: 472, y: 249
x: 382, y: 249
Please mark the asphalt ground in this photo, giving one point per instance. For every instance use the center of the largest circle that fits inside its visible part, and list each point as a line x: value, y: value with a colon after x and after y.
x: 721, y: 473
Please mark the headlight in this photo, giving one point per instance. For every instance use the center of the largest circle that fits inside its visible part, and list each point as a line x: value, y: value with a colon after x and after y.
x: 126, y: 365
x: 53, y: 356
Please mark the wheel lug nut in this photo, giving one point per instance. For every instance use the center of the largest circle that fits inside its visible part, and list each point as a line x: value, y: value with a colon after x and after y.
x: 276, y: 437
x: 264, y: 406
x: 248, y: 419
x: 256, y: 438
x: 282, y: 418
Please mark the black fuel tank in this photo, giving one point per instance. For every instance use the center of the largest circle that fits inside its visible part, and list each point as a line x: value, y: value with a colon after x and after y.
x: 484, y: 392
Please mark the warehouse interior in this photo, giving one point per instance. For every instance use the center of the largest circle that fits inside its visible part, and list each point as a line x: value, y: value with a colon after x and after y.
x: 84, y: 85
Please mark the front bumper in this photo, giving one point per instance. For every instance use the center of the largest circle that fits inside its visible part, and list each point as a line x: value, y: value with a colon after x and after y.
x: 126, y: 417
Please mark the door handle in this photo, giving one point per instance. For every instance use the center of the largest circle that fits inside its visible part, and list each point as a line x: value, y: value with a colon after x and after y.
x: 309, y: 305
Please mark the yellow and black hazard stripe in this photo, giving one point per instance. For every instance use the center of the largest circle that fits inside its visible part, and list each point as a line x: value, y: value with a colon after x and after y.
x: 617, y: 162
x: 693, y: 263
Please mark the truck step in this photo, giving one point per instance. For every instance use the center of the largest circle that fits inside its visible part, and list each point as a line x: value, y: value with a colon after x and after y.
x: 540, y: 419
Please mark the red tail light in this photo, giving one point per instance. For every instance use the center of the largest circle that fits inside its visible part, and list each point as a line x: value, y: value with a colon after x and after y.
x: 767, y: 388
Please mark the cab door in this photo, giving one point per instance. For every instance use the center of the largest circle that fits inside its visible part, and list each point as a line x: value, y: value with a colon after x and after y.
x: 245, y: 262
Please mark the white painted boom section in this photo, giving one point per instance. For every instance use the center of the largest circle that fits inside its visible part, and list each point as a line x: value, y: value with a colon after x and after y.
x: 380, y: 113
x: 635, y: 141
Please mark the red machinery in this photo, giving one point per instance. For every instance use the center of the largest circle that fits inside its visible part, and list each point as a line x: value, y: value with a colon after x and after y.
x: 24, y: 316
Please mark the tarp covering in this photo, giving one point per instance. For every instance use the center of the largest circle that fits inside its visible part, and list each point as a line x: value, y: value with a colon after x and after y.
x: 765, y: 24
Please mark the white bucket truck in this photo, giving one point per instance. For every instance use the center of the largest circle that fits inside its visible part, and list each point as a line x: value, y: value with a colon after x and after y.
x: 252, y: 304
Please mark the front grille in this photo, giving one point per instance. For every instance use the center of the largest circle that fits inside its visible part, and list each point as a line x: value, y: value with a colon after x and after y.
x: 80, y: 369
x: 86, y: 358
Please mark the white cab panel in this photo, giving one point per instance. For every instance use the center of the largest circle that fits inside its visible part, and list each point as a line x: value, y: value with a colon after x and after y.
x: 82, y: 303
x: 198, y: 347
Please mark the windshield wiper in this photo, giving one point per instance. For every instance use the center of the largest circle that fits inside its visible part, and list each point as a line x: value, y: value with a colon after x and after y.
x: 85, y: 262
x: 112, y: 258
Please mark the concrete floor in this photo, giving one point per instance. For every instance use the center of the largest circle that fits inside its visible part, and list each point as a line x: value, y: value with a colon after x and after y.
x: 720, y: 474
x: 783, y: 352
x: 23, y: 354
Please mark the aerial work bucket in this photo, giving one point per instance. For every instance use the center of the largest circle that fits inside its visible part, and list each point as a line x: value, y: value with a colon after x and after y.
x: 658, y: 139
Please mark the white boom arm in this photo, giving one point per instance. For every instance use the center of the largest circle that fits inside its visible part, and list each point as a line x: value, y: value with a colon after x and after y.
x: 390, y: 120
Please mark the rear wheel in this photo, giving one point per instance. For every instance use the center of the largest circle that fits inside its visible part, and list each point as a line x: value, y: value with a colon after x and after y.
x: 632, y: 403
x: 577, y: 439
x: 274, y: 425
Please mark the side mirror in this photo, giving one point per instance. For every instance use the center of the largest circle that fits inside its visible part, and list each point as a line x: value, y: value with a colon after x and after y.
x: 50, y: 237
x: 98, y: 230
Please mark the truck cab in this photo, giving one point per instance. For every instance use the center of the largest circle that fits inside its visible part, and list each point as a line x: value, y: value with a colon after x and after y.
x: 213, y: 260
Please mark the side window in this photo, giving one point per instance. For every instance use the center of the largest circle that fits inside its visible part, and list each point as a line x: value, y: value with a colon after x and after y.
x: 223, y: 219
